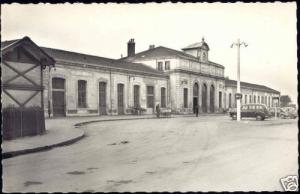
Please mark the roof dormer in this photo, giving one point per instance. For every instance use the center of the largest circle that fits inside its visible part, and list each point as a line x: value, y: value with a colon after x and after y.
x: 199, y: 50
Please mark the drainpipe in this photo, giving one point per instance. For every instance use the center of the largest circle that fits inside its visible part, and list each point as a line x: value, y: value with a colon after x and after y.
x: 49, y: 93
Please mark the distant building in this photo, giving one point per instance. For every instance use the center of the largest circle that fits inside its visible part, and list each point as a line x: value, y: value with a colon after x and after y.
x: 83, y: 84
x: 251, y: 93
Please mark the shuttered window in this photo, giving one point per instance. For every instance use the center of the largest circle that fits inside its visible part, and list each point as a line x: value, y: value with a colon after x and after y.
x: 160, y: 66
x: 167, y: 65
x: 82, y: 94
x: 150, y: 97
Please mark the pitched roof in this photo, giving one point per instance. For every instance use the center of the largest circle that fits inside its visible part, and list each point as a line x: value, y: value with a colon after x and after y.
x: 159, y: 51
x: 196, y: 45
x: 8, y: 42
x: 229, y: 82
x: 162, y: 51
x: 28, y: 44
x: 74, y: 57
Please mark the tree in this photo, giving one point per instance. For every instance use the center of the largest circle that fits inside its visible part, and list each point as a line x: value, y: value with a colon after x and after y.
x: 285, y: 100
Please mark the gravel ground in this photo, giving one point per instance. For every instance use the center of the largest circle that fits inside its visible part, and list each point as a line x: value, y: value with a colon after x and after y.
x: 211, y: 153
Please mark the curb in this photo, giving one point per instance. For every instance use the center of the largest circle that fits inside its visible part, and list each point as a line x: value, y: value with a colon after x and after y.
x: 124, y: 119
x: 162, y: 117
x: 42, y: 148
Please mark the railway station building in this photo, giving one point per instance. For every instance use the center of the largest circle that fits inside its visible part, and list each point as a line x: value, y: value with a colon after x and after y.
x: 82, y: 84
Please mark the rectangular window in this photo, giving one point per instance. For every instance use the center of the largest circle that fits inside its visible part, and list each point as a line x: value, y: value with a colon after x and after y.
x: 163, y: 97
x: 254, y: 99
x: 160, y: 66
x: 244, y: 107
x: 185, y: 97
x: 250, y: 98
x: 81, y: 93
x: 259, y: 107
x: 167, y: 65
x: 252, y: 107
x: 136, y: 95
x: 245, y: 99
x: 262, y: 100
x: 150, y: 97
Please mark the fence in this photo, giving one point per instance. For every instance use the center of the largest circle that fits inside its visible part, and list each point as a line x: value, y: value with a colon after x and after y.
x: 19, y: 122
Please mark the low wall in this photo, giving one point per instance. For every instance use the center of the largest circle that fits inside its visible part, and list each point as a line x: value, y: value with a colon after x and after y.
x: 20, y: 122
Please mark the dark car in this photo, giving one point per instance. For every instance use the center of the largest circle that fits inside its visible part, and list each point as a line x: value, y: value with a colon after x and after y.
x: 258, y: 111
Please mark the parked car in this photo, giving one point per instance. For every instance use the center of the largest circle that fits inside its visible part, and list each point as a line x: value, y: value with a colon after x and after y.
x: 279, y: 111
x: 284, y: 112
x: 290, y: 112
x: 258, y: 111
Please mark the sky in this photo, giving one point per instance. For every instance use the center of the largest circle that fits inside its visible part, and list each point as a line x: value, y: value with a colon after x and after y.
x: 269, y: 29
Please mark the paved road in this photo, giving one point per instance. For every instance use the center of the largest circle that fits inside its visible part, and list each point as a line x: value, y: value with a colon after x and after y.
x: 210, y: 153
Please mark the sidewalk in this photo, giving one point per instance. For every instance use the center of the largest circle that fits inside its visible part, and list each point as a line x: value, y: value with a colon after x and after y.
x: 54, y: 136
x: 63, y: 131
x: 59, y: 132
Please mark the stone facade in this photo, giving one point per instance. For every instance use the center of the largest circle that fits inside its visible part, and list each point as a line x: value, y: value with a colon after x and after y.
x: 93, y: 75
x: 185, y: 70
x: 255, y: 94
x: 90, y: 85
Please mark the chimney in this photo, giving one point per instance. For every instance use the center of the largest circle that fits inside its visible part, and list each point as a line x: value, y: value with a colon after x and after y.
x: 130, y: 48
x: 151, y: 46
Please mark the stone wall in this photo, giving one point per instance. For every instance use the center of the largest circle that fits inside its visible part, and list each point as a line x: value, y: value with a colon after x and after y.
x: 179, y: 81
x: 72, y: 74
x: 254, y: 93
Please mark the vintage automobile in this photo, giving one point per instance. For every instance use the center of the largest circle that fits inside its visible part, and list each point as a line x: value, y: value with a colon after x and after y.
x: 284, y: 112
x: 278, y: 110
x: 290, y: 112
x: 258, y: 111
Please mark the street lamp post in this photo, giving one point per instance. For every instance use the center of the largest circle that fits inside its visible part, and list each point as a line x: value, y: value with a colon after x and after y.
x: 238, y: 44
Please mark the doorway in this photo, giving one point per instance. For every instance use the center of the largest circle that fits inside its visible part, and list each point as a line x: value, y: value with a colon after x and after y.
x: 212, y: 99
x: 102, y: 98
x: 58, y: 97
x: 204, y: 98
x: 120, y: 99
x: 195, y: 97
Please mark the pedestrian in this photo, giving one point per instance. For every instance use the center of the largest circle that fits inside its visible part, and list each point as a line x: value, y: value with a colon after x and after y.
x: 196, y: 110
x: 157, y: 111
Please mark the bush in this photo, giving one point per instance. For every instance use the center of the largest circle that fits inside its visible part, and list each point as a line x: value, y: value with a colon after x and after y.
x: 19, y: 122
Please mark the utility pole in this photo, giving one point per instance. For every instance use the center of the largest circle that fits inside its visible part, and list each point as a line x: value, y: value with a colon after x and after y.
x: 238, y: 95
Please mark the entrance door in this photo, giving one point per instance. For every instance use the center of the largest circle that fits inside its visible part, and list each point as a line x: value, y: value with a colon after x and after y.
x: 102, y: 98
x: 120, y: 99
x: 136, y: 96
x: 58, y: 97
x: 204, y: 98
x: 195, y: 96
x: 212, y: 99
